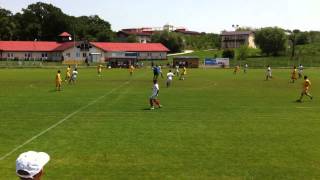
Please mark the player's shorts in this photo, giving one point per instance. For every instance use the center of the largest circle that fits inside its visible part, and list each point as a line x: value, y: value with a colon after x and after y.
x: 305, y: 90
x: 153, y: 96
x: 58, y: 83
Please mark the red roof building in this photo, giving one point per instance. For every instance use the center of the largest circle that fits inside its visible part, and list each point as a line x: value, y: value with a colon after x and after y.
x: 131, y: 47
x: 65, y: 34
x: 83, y: 50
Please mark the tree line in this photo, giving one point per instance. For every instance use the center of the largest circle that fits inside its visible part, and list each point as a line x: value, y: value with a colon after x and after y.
x: 44, y: 22
x: 41, y: 21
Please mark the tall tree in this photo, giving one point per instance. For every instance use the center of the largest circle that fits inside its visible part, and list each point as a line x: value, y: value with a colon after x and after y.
x: 7, y: 25
x: 271, y: 40
x: 171, y: 40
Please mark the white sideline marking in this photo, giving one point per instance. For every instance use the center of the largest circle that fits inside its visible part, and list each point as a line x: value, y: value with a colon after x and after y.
x: 304, y: 107
x: 61, y: 121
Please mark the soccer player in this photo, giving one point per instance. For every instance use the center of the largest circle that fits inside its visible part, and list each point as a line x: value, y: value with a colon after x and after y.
x: 169, y: 78
x: 131, y: 69
x: 268, y: 73
x: 184, y: 73
x: 74, y: 76
x: 306, y: 88
x: 300, y: 71
x: 30, y: 165
x: 245, y: 69
x: 176, y: 72
x: 160, y: 71
x: 68, y: 74
x: 58, y: 81
x: 155, y: 72
x: 236, y: 69
x: 154, y: 97
x: 99, y: 69
x: 294, y: 74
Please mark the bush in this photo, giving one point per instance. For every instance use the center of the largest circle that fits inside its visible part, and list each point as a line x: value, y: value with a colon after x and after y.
x: 228, y: 53
x: 242, y: 52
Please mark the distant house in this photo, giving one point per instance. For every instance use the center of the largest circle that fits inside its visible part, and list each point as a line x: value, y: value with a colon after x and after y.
x: 78, y: 51
x: 235, y: 39
x: 144, y: 34
x: 187, y: 32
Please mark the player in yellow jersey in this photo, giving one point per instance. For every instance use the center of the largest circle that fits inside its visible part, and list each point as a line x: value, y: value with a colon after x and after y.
x: 236, y: 69
x: 68, y: 74
x: 58, y: 81
x: 131, y: 69
x: 306, y: 88
x: 99, y: 69
x: 294, y: 74
x: 184, y: 73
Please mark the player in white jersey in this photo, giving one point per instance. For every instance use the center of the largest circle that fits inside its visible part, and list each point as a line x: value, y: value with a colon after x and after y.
x: 170, y: 76
x: 154, y: 97
x: 245, y: 69
x: 177, y: 71
x: 300, y: 71
x: 268, y: 73
x: 74, y: 76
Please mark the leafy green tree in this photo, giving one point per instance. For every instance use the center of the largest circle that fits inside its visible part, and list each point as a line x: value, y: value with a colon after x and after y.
x: 7, y: 25
x: 228, y: 53
x: 44, y: 22
x: 132, y: 39
x: 202, y: 41
x: 173, y: 41
x: 271, y: 40
x: 242, y: 52
x: 302, y: 38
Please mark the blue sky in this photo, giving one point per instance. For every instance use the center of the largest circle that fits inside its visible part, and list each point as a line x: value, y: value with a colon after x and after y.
x: 199, y: 15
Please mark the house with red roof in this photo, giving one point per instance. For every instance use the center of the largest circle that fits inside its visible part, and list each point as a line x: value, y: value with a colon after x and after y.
x: 66, y: 50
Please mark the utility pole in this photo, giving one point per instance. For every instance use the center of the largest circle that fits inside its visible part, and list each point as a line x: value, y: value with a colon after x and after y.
x: 235, y: 34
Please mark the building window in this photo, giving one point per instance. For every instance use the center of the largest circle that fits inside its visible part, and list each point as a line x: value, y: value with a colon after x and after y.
x: 68, y: 54
x: 78, y: 54
x: 84, y: 54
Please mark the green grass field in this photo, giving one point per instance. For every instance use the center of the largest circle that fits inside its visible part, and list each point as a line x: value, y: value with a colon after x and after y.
x: 214, y: 125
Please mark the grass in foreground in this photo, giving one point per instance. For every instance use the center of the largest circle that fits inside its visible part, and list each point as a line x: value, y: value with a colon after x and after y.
x: 214, y: 125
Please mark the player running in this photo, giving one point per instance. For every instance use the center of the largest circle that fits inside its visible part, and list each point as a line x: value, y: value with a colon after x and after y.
x: 184, y: 73
x: 245, y: 69
x: 300, y: 71
x: 160, y: 71
x: 176, y: 72
x: 58, y: 81
x: 294, y: 74
x: 74, y: 76
x: 236, y: 69
x: 306, y: 88
x: 99, y: 69
x: 170, y: 76
x: 131, y: 69
x: 156, y: 72
x: 68, y: 74
x: 154, y: 97
x: 268, y: 73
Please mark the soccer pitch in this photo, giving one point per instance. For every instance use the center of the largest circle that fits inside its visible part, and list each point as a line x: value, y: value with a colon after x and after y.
x: 213, y: 125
